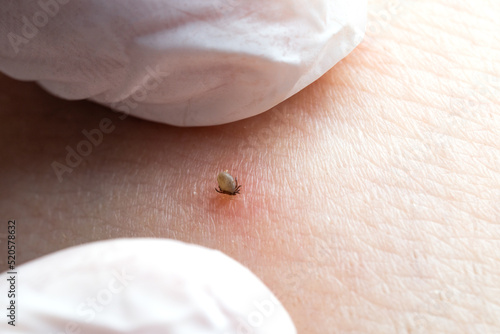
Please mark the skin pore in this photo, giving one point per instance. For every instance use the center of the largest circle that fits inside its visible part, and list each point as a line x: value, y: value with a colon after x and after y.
x: 369, y: 201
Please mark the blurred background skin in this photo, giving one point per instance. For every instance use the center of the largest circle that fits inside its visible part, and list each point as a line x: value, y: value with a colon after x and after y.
x: 370, y: 200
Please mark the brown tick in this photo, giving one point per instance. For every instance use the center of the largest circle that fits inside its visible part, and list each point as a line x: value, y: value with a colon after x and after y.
x: 227, y: 184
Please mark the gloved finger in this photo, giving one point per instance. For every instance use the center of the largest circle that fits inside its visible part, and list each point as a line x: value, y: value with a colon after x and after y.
x: 186, y: 63
x: 142, y: 286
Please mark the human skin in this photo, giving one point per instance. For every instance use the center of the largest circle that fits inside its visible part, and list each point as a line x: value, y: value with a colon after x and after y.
x: 369, y: 200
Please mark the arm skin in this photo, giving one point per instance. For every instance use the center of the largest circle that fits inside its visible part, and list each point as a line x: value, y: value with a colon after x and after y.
x: 369, y: 201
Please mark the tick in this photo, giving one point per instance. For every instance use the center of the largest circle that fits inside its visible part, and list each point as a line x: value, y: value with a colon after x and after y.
x: 227, y: 184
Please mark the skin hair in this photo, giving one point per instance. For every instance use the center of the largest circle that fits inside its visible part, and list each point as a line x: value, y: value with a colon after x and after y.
x: 370, y: 200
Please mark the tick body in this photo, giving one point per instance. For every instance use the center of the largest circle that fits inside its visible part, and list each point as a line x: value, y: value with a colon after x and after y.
x: 227, y: 184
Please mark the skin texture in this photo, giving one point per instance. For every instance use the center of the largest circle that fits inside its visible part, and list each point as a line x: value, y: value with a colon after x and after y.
x: 370, y: 200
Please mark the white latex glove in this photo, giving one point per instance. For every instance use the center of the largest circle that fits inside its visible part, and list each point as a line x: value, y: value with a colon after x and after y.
x: 141, y: 286
x: 186, y: 63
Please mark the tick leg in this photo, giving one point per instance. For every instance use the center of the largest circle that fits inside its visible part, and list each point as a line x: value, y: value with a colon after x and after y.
x: 221, y: 192
x: 237, y: 189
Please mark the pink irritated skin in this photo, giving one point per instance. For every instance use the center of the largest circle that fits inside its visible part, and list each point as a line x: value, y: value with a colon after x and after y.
x: 369, y: 200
